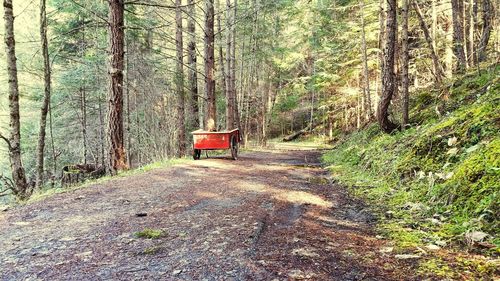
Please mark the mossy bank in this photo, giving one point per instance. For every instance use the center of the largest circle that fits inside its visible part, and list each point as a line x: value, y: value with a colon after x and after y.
x: 437, y: 182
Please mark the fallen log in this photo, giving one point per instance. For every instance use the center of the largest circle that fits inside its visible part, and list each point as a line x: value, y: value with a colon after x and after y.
x: 299, y: 133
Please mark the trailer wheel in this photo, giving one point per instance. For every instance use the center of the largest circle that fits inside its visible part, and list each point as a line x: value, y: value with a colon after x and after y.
x: 234, y: 148
x: 196, y: 154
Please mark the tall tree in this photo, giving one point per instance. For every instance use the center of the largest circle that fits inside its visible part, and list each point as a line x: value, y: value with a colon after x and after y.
x: 457, y: 10
x: 388, y: 77
x: 179, y: 81
x: 116, y: 148
x: 20, y: 186
x: 405, y: 59
x: 210, y: 118
x: 192, y: 72
x: 46, y: 97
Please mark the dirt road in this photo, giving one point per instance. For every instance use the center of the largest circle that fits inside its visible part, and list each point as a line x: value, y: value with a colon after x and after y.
x: 268, y: 216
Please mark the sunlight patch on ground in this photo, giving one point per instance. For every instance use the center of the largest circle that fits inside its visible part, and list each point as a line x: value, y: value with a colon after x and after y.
x: 300, y: 197
x: 291, y: 196
x: 207, y: 194
x: 210, y: 163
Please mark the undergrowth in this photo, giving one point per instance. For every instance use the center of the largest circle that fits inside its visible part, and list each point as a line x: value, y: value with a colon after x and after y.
x: 439, y: 179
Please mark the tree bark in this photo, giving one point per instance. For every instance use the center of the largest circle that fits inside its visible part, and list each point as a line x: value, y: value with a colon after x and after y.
x: 21, y: 188
x: 487, y: 16
x: 192, y: 73
x: 116, y: 150
x: 179, y: 81
x: 405, y: 57
x: 438, y: 75
x: 457, y: 9
x: 210, y: 119
x: 388, y: 77
x: 46, y: 97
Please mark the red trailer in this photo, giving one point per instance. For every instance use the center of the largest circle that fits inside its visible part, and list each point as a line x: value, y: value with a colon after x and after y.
x: 204, y: 140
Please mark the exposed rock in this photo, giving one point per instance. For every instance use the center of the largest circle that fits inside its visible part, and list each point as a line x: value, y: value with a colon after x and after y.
x: 407, y: 257
x: 476, y: 236
x: 305, y: 252
x: 386, y: 249
x: 432, y: 247
x: 389, y: 214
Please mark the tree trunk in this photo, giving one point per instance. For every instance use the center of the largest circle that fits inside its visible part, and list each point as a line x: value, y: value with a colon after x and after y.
x: 438, y: 75
x: 236, y: 114
x: 388, y: 81
x: 101, y: 129
x: 222, y: 64
x: 21, y: 188
x: 179, y: 81
x: 449, y: 51
x: 229, y: 79
x: 193, y: 74
x: 210, y: 119
x: 457, y: 9
x: 127, y: 95
x: 487, y: 16
x: 468, y: 26
x: 473, y: 31
x: 368, y: 101
x: 53, y: 147
x: 405, y: 57
x: 83, y: 110
x: 116, y: 149
x: 381, y: 36
x: 46, y: 98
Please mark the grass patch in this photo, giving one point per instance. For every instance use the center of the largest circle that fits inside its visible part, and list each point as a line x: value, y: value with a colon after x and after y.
x: 149, y: 233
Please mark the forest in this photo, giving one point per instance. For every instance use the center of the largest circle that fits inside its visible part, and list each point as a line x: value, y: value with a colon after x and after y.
x: 403, y: 97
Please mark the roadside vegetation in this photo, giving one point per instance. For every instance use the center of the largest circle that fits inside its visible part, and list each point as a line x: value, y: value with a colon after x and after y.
x: 434, y: 185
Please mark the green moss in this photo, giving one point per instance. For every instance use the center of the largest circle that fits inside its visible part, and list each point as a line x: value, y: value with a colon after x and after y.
x: 436, y: 267
x: 149, y: 233
x: 405, y: 238
x: 447, y: 167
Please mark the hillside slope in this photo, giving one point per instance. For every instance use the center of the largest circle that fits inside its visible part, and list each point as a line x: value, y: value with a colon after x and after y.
x: 436, y: 184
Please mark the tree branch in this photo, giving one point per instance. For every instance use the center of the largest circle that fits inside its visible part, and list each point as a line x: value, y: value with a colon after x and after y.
x: 7, y: 183
x: 6, y: 140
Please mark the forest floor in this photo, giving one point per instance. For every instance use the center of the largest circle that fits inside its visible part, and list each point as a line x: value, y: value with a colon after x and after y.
x: 271, y: 215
